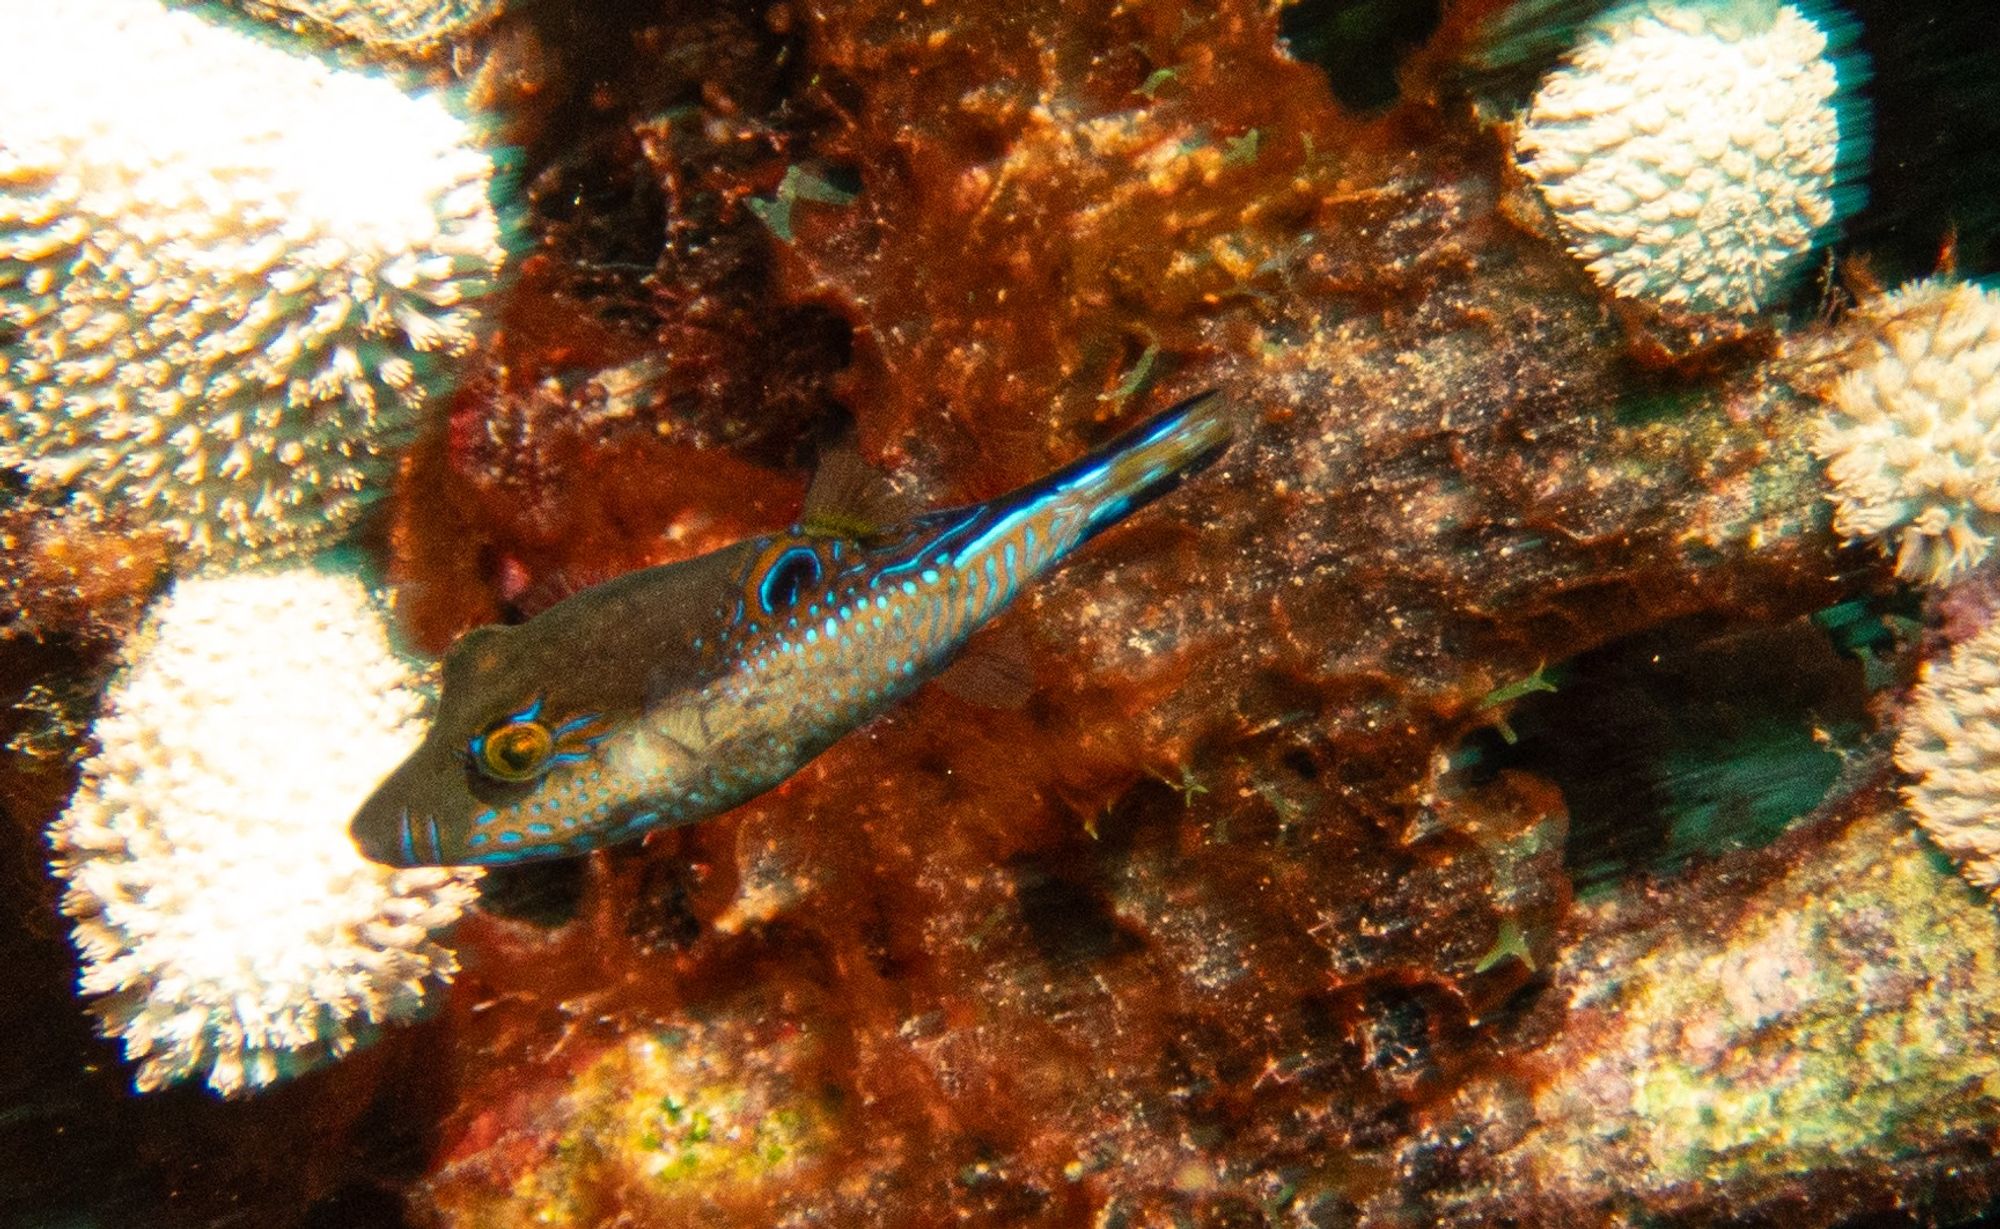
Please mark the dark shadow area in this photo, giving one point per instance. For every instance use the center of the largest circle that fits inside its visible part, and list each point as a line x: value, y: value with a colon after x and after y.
x: 1070, y: 922
x: 1360, y: 43
x: 1935, y: 167
x: 1695, y: 738
x: 356, y: 1207
x: 542, y: 894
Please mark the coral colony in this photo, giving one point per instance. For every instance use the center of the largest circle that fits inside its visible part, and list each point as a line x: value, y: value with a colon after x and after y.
x: 1912, y: 434
x: 229, y: 931
x: 1950, y: 747
x: 1268, y: 906
x: 1689, y: 149
x: 236, y: 272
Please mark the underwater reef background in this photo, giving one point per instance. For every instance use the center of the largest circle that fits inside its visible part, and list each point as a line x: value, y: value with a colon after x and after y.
x: 1470, y: 802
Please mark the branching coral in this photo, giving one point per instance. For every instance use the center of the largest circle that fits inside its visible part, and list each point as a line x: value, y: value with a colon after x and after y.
x: 1912, y: 434
x: 228, y: 928
x: 1688, y: 148
x: 1950, y: 744
x: 234, y: 271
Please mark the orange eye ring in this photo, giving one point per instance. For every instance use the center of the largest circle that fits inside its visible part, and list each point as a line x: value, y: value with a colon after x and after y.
x: 516, y: 751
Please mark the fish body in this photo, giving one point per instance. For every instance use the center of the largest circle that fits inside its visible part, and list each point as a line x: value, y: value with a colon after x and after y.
x: 677, y: 692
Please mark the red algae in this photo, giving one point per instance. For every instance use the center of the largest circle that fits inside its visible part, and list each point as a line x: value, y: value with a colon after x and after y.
x: 527, y: 498
x: 1076, y: 196
x: 64, y: 578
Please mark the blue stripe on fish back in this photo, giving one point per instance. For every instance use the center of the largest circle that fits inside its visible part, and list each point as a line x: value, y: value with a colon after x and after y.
x: 891, y: 615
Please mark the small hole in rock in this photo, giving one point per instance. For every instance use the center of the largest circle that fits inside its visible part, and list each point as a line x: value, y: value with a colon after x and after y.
x: 1069, y: 922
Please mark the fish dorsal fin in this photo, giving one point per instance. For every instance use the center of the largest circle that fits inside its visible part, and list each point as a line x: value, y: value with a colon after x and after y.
x: 850, y: 498
x: 993, y: 671
x: 560, y: 585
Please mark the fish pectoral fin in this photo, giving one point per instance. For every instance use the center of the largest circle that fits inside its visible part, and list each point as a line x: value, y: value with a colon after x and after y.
x: 687, y: 729
x: 696, y: 732
x: 849, y: 498
x: 993, y: 671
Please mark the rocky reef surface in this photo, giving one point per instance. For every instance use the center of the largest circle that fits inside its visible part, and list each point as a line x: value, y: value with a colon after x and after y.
x: 1471, y: 801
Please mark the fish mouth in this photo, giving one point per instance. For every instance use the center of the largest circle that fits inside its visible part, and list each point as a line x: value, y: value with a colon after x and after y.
x: 393, y: 836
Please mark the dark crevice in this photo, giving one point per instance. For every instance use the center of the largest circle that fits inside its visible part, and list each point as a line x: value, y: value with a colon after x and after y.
x: 1932, y: 82
x: 1693, y: 738
x: 542, y: 894
x: 1067, y: 919
x: 1360, y: 43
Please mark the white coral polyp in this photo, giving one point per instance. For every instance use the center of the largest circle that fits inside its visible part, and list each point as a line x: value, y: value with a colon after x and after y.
x: 1911, y: 436
x: 402, y: 27
x: 235, y: 271
x: 1688, y: 149
x: 1950, y: 744
x: 229, y: 929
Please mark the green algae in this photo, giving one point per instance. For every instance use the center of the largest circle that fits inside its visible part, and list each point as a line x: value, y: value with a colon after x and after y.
x: 799, y: 184
x: 668, y: 1121
x: 1510, y: 944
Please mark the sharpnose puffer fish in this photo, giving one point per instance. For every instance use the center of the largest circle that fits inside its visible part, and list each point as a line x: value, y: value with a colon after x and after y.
x: 677, y: 692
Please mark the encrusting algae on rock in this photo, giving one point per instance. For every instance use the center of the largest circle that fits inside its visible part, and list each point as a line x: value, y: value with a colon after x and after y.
x: 1833, y: 1013
x: 663, y: 1126
x: 1251, y: 914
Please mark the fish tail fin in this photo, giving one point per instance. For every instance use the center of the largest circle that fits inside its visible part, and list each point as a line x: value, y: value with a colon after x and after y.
x: 1028, y: 530
x: 1139, y: 465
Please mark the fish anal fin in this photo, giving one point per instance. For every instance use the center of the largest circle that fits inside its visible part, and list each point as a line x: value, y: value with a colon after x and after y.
x: 993, y: 671
x: 850, y: 498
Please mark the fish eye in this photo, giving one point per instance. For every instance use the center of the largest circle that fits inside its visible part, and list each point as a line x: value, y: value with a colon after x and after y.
x: 514, y: 750
x: 521, y: 746
x: 792, y: 573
